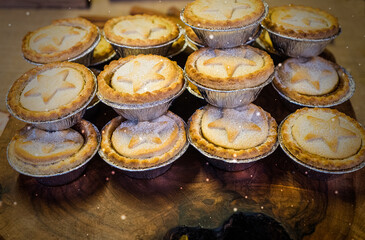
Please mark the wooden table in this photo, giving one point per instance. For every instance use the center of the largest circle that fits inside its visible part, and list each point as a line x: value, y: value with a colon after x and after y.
x: 105, y: 204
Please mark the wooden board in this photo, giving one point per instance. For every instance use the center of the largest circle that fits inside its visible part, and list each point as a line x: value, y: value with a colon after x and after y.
x: 105, y: 204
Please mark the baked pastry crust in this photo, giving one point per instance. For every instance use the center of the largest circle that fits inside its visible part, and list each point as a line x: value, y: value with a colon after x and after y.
x: 146, y: 78
x: 324, y: 138
x: 301, y: 22
x: 140, y: 30
x: 311, y: 81
x: 124, y: 142
x: 58, y: 151
x: 63, y: 39
x: 229, y: 69
x: 234, y: 134
x: 65, y: 86
x: 216, y: 14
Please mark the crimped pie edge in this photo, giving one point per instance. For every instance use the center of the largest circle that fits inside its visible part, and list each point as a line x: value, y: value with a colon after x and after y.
x: 197, y: 138
x: 72, y: 52
x: 91, y: 144
x: 231, y: 83
x: 13, y: 96
x: 313, y: 34
x: 112, y: 95
x: 111, y: 155
x: 117, y: 39
x: 314, y: 160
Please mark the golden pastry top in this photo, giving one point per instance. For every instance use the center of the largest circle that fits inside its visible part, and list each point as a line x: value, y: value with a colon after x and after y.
x: 37, y: 152
x: 140, y: 79
x: 38, y: 146
x: 238, y: 128
x: 228, y: 69
x: 59, y: 41
x: 324, y: 138
x: 301, y: 22
x: 140, y: 30
x: 144, y: 144
x: 312, y: 81
x: 215, y: 14
x: 145, y: 139
x: 51, y: 91
x: 236, y: 133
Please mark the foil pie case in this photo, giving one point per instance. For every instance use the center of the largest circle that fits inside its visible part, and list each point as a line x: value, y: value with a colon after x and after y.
x: 61, y: 178
x: 230, y: 98
x: 142, y: 112
x: 227, y: 38
x: 194, y: 45
x: 298, y: 47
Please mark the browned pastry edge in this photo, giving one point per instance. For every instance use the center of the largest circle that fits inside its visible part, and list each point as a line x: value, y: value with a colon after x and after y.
x: 72, y: 52
x: 202, y: 143
x: 339, y: 92
x: 309, y: 34
x: 231, y: 83
x: 115, y: 158
x: 13, y: 97
x: 314, y: 160
x: 194, y: 20
x: 119, y: 39
x: 85, y: 128
x: 112, y: 95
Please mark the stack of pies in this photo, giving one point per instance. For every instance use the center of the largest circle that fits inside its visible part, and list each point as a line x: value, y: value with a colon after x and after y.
x: 141, y: 88
x: 229, y: 77
x: 52, y: 99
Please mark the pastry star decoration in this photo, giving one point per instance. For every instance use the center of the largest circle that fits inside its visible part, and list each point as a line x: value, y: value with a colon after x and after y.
x: 139, y: 76
x: 52, y: 41
x: 227, y: 8
x: 328, y: 131
x: 145, y: 132
x: 233, y: 122
x: 48, y: 86
x: 308, y: 21
x: 229, y: 61
x: 143, y: 29
x: 303, y: 74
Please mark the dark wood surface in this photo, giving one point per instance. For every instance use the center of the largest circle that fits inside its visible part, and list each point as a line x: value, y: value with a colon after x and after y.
x: 105, y: 204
